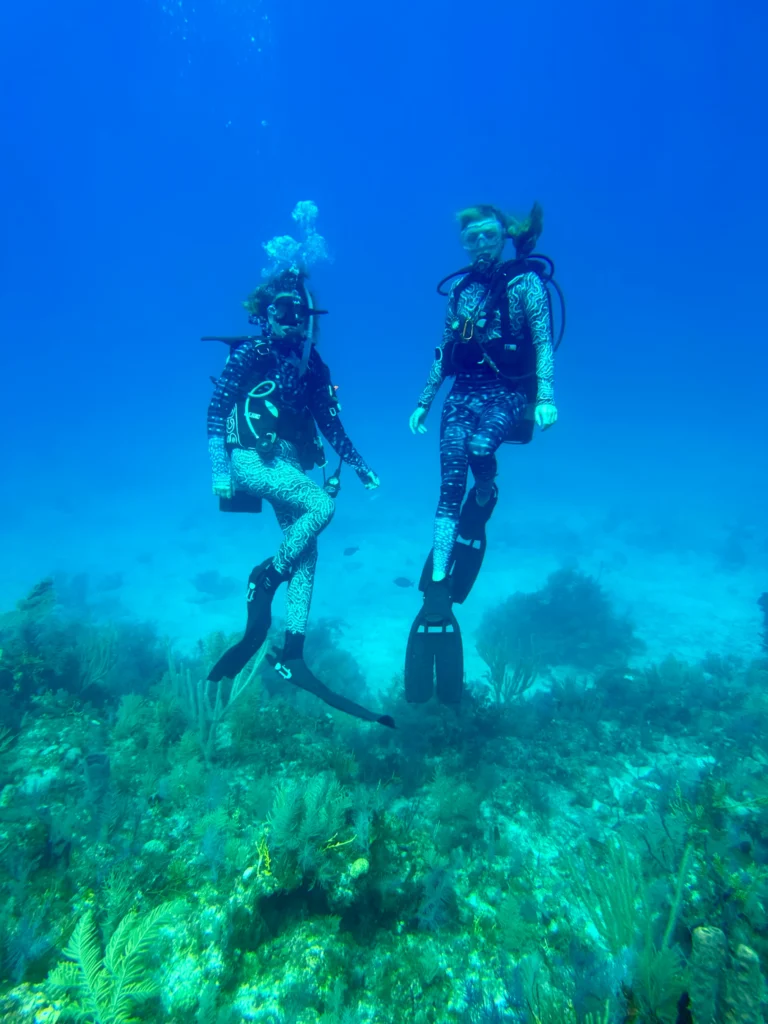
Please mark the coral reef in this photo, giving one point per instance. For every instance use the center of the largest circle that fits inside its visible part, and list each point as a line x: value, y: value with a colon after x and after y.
x: 591, y: 850
x: 569, y: 621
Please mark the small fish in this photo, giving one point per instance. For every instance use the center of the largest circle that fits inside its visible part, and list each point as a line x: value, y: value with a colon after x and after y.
x: 350, y: 551
x: 403, y: 581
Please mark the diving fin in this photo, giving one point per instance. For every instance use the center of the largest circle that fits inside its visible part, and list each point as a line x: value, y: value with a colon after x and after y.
x: 434, y: 658
x: 295, y: 670
x: 262, y: 584
x: 466, y: 562
x: 470, y: 545
x: 473, y: 518
x: 468, y: 549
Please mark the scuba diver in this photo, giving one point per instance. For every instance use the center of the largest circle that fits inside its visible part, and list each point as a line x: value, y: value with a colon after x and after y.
x: 273, y: 394
x: 498, y: 346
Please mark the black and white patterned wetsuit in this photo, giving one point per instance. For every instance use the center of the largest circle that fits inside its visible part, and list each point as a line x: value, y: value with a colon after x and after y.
x: 484, y: 405
x: 302, y: 507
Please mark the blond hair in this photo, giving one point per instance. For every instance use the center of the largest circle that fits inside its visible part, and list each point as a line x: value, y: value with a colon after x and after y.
x: 524, y: 234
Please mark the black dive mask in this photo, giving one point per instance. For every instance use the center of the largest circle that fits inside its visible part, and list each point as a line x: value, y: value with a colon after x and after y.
x: 290, y: 312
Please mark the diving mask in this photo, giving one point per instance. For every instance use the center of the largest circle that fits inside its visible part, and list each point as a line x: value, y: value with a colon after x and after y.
x: 288, y: 311
x: 291, y: 311
x: 482, y: 237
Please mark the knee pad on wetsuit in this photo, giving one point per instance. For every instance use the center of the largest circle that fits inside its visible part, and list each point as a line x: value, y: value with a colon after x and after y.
x: 480, y: 447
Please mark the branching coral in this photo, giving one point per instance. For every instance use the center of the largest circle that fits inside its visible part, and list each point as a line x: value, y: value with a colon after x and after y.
x: 612, y: 895
x: 207, y: 704
x: 105, y: 990
x: 569, y: 621
x: 307, y: 823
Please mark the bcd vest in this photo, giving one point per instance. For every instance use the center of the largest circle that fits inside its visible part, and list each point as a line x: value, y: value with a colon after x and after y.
x: 259, y: 419
x: 511, y: 358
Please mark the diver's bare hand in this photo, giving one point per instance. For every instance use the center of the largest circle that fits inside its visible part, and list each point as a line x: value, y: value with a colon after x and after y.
x: 546, y: 415
x: 416, y: 422
x: 370, y: 480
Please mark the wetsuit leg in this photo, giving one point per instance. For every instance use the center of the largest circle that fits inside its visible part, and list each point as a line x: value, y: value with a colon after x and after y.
x: 304, y: 510
x: 495, y: 423
x: 302, y: 582
x: 458, y: 423
x: 281, y: 480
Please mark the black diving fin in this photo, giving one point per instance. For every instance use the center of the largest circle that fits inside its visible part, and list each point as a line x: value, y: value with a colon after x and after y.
x: 259, y: 618
x: 434, y: 660
x: 295, y: 670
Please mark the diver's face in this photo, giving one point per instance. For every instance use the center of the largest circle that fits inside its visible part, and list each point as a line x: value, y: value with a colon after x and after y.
x: 288, y: 316
x: 483, y: 240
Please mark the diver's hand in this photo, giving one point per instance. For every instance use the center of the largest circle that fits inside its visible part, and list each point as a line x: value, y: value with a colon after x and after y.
x: 223, y: 487
x: 416, y: 422
x: 546, y: 415
x: 369, y: 479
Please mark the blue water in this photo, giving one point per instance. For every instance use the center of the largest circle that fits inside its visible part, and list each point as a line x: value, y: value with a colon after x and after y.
x: 144, y: 162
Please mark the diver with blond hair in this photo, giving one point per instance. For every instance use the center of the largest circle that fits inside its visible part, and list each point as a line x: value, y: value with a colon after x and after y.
x: 499, y: 349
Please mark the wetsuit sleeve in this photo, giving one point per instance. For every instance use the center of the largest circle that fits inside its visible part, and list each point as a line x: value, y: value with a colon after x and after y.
x: 437, y: 371
x: 226, y: 392
x: 434, y: 380
x: 324, y: 406
x: 536, y: 305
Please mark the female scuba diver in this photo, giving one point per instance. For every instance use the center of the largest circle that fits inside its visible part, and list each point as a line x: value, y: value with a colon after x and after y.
x: 274, y: 392
x: 497, y: 345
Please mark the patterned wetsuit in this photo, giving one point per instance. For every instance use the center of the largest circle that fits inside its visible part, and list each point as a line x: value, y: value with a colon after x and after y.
x: 303, y: 508
x: 483, y: 405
